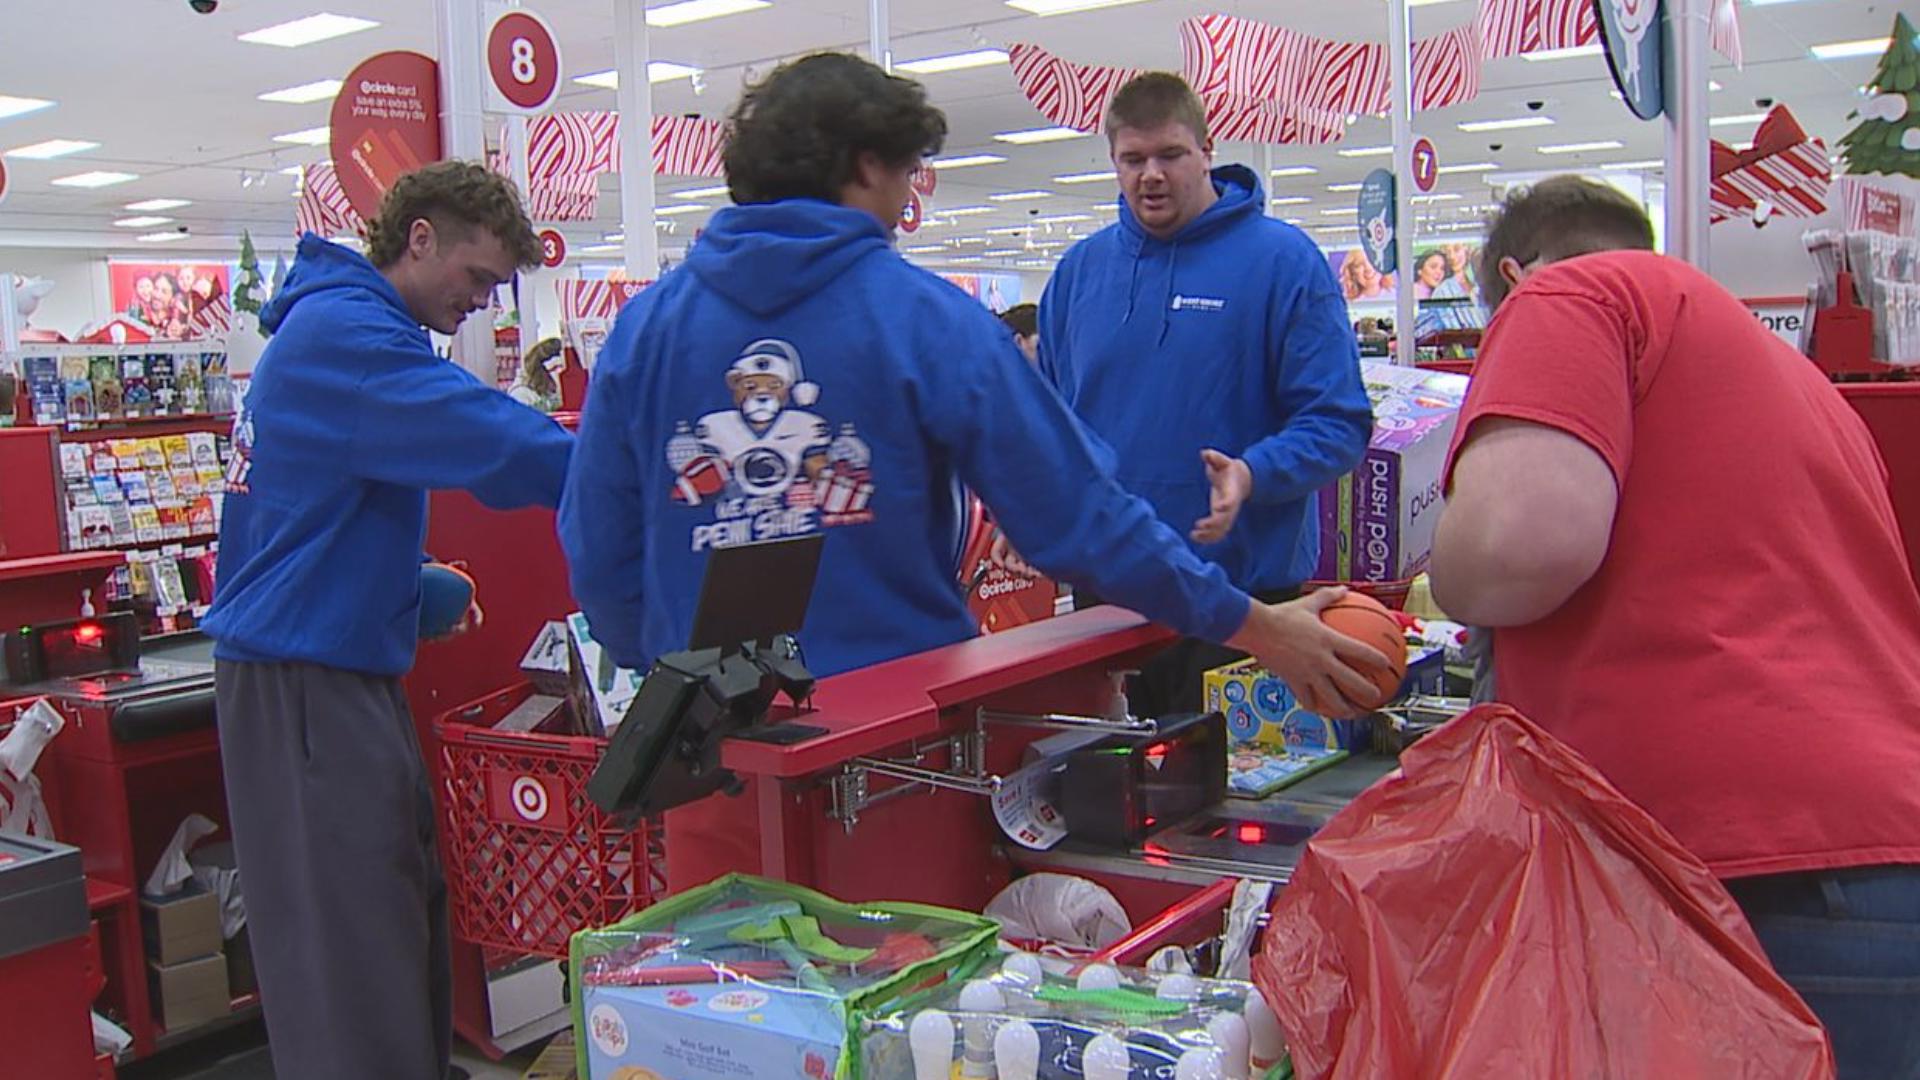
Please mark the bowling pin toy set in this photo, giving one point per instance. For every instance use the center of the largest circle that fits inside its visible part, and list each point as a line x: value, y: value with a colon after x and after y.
x: 1040, y: 1019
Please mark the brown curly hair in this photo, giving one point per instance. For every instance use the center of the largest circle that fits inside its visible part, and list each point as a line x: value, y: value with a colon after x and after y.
x: 799, y: 133
x: 457, y: 197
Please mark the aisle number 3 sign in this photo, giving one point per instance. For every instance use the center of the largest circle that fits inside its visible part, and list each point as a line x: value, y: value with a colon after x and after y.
x: 523, y: 62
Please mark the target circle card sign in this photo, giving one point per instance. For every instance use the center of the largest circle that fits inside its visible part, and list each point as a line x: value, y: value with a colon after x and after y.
x: 385, y: 124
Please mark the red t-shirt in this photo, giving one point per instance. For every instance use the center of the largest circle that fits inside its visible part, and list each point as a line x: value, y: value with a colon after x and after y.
x: 1746, y: 663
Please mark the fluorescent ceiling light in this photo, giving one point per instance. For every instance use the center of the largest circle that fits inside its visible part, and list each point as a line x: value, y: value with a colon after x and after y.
x: 964, y: 211
x: 923, y: 249
x: 1294, y: 170
x: 309, y: 137
x: 934, y: 65
x: 1365, y: 151
x: 1355, y: 186
x: 144, y: 221
x: 1743, y: 118
x: 713, y: 192
x: 1086, y: 177
x: 1649, y: 163
x: 600, y: 249
x: 1444, y: 196
x: 658, y: 71
x: 20, y: 106
x: 1019, y: 196
x: 688, y: 11
x: 1040, y: 135
x: 1336, y: 228
x: 159, y: 204
x: 289, y: 35
x: 613, y: 237
x: 1033, y: 263
x: 161, y: 237
x: 1583, y: 147
x: 966, y: 260
x: 1007, y: 230
x: 1061, y: 219
x: 304, y: 93
x: 1001, y: 253
x: 1293, y: 221
x: 1509, y: 124
x: 1564, y: 54
x: 96, y: 179
x: 1063, y: 7
x: 1291, y: 200
x: 1341, y: 211
x: 689, y: 208
x: 292, y: 170
x: 971, y: 240
x: 1842, y: 50
x: 1478, y: 166
x: 52, y: 148
x: 967, y: 161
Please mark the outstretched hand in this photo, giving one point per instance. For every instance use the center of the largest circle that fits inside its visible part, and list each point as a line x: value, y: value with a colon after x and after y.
x: 1329, y: 673
x: 1232, y: 484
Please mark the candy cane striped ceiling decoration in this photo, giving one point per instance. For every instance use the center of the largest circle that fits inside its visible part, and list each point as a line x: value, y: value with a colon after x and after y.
x: 323, y: 207
x: 588, y: 144
x: 1266, y: 83
x: 1786, y: 172
x: 581, y: 299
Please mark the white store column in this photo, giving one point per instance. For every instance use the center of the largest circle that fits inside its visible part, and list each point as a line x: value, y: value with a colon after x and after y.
x: 462, y: 137
x: 879, y: 34
x: 1689, y: 177
x: 631, y: 54
x: 1400, y: 49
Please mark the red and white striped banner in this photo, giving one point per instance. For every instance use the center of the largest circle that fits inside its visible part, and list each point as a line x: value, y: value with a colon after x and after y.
x: 1271, y: 84
x: 595, y: 299
x: 213, y: 319
x: 588, y: 144
x: 1785, y: 171
x: 323, y: 207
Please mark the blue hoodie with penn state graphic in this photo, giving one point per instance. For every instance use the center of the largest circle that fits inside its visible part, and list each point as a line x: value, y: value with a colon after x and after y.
x: 1230, y: 335
x: 349, y: 420
x: 798, y: 376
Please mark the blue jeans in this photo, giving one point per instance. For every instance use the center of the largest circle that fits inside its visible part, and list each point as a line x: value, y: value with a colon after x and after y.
x: 1849, y: 942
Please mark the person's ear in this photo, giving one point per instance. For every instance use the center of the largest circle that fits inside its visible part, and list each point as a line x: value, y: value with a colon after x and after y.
x: 1511, y: 270
x: 868, y: 170
x: 1206, y: 149
x: 420, y: 238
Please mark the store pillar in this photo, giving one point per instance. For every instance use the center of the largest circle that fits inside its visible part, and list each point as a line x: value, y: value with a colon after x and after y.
x: 461, y: 136
x: 631, y: 52
x: 1689, y: 33
x: 1399, y: 37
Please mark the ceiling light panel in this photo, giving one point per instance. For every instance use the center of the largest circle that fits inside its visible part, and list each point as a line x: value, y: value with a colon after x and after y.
x: 313, y: 28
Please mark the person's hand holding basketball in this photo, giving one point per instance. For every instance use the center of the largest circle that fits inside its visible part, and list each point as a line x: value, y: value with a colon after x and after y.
x: 1331, y: 673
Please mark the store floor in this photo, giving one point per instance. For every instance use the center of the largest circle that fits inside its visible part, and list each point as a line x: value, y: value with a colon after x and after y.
x: 240, y: 1053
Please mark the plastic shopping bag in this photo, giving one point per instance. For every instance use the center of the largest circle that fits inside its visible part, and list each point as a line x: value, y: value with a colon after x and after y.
x: 1497, y: 908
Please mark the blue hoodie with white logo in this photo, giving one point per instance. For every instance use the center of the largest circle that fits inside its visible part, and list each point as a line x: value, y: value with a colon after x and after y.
x: 798, y: 376
x: 1231, y: 335
x: 349, y: 420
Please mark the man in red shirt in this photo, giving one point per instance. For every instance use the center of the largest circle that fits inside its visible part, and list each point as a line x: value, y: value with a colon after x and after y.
x: 1682, y: 536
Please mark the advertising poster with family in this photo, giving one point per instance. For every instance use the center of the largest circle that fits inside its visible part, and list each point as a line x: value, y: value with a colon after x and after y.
x: 1440, y: 272
x: 177, y: 301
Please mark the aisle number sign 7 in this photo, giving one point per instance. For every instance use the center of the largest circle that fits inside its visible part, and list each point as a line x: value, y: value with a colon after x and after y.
x: 523, y: 62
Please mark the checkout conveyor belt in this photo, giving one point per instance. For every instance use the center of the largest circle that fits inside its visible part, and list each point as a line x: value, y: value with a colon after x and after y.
x: 170, y: 694
x: 1259, y: 839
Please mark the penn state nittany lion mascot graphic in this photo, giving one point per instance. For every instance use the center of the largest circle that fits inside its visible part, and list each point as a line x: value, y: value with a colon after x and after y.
x: 769, y: 467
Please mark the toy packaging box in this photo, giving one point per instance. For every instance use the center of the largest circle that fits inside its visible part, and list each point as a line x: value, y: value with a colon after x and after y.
x: 1261, y: 709
x: 1377, y: 523
x: 746, y: 977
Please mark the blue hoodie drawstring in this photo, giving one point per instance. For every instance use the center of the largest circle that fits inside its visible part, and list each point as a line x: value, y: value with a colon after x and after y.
x: 1133, y: 284
x: 1166, y: 305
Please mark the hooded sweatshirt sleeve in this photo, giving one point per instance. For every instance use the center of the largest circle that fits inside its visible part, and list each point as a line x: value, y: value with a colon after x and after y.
x: 1318, y: 387
x: 1022, y: 450
x: 423, y: 422
x: 603, y: 511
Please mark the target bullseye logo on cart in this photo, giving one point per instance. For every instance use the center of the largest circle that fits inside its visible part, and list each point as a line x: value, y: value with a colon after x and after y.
x: 529, y: 798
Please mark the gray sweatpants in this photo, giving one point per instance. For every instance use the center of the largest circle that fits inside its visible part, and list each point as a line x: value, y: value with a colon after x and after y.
x: 346, y: 904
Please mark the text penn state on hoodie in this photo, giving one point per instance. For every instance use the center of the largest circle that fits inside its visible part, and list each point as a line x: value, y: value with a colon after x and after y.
x: 348, y: 421
x: 1231, y: 335
x: 797, y: 375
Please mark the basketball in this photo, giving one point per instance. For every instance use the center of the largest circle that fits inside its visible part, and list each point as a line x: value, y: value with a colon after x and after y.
x: 1367, y: 620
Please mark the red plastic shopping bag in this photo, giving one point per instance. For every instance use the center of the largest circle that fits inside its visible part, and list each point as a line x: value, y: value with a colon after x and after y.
x: 1498, y: 909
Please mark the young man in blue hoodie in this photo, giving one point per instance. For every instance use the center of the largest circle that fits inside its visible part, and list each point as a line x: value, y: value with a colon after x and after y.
x: 1208, y: 345
x: 798, y: 376
x: 350, y: 419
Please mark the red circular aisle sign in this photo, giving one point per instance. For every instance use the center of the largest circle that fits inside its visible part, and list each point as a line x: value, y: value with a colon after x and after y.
x: 3, y: 181
x: 553, y: 248
x: 1425, y: 164
x: 385, y: 124
x: 912, y: 213
x: 925, y: 180
x: 523, y: 60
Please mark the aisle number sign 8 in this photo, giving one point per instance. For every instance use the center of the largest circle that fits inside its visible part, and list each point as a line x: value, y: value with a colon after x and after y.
x: 523, y: 62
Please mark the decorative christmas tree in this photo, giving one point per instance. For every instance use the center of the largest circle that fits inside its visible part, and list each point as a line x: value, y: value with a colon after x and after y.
x: 1887, y: 139
x: 248, y: 291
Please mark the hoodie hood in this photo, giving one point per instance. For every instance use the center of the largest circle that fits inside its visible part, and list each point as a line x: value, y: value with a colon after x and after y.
x: 767, y: 257
x: 320, y: 266
x: 1240, y: 194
